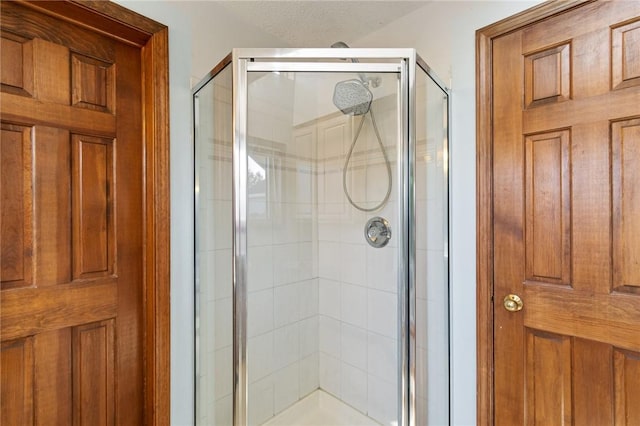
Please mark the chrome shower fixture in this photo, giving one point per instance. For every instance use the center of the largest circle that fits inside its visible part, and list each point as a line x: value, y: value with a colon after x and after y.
x: 352, y: 97
x: 367, y: 81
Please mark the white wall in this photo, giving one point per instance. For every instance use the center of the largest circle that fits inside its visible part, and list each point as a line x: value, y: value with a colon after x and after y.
x: 216, y: 32
x: 444, y: 35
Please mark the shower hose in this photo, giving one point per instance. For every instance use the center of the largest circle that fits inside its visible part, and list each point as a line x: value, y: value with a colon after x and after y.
x: 386, y: 161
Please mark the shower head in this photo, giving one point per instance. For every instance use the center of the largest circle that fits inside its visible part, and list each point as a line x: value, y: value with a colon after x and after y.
x: 352, y: 97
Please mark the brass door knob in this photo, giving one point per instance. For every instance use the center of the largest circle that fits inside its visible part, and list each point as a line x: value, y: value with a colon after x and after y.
x: 512, y: 303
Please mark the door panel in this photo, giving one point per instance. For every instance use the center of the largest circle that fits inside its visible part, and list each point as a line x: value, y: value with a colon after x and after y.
x: 72, y: 223
x: 16, y: 362
x: 566, y: 230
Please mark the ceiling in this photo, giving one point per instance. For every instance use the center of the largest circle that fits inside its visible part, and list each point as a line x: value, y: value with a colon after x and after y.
x: 305, y: 23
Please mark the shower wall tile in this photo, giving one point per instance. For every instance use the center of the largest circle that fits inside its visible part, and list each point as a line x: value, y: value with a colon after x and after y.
x: 329, y: 227
x: 223, y: 411
x: 222, y: 170
x: 206, y: 237
x: 358, y: 279
x: 208, y: 317
x: 260, y: 268
x: 286, y: 304
x: 222, y: 228
x: 434, y: 228
x: 437, y: 334
x: 206, y: 275
x: 223, y: 375
x: 309, y: 299
x: 356, y: 183
x: 222, y: 283
x: 332, y: 183
x: 436, y: 274
x: 382, y: 400
x: 309, y: 330
x: 259, y: 233
x: 377, y: 181
x: 382, y: 313
x: 382, y: 269
x: 286, y: 387
x: 222, y: 328
x: 353, y: 263
x: 286, y: 346
x: 330, y: 338
x: 354, y: 346
x: 329, y: 293
x: 352, y: 227
x: 354, y: 387
x: 309, y: 375
x: 382, y: 361
x: 329, y: 373
x: 421, y: 373
x: 354, y: 305
x: 329, y: 260
x: 261, y: 401
x: 286, y: 264
x: 260, y: 312
x: 260, y: 358
x: 306, y: 263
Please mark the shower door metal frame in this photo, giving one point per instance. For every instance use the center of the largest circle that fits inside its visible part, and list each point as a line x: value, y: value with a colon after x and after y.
x: 400, y: 61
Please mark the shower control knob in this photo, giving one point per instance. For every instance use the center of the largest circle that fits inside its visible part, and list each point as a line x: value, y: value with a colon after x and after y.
x: 377, y: 232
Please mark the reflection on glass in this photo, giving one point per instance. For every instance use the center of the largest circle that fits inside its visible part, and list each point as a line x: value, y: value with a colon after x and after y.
x: 214, y: 318
x: 431, y: 224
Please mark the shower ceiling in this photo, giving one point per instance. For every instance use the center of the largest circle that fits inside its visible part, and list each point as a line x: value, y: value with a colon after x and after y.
x: 305, y: 23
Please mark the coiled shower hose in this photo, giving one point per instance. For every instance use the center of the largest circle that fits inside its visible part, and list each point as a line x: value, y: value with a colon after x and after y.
x: 386, y: 161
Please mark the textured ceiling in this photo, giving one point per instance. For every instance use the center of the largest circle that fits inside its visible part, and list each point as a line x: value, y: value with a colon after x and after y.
x: 305, y: 23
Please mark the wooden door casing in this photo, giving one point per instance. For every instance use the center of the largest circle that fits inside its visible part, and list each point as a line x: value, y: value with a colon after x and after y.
x: 558, y: 207
x: 84, y: 215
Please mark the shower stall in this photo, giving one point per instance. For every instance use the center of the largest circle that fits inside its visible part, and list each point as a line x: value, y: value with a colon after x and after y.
x: 322, y: 257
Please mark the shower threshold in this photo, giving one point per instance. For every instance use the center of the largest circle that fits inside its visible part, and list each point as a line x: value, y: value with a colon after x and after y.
x: 320, y: 409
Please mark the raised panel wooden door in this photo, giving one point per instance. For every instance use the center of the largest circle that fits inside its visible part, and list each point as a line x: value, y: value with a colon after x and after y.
x: 71, y: 224
x: 566, y: 206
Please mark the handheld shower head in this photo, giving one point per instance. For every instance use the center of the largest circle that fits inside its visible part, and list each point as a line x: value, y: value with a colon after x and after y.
x: 352, y: 97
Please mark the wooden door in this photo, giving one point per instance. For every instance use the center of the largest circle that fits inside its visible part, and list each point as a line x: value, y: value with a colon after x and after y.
x: 72, y: 224
x: 566, y: 218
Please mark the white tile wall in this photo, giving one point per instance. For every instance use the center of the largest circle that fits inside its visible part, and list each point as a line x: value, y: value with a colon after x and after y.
x: 357, y: 284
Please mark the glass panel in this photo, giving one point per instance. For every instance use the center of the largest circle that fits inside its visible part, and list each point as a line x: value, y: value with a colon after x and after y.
x: 214, y: 315
x: 432, y: 283
x: 322, y: 303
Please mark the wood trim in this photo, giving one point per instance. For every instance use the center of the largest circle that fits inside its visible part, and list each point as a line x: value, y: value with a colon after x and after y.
x: 484, y: 192
x: 115, y: 21
x: 157, y: 234
x: 484, y: 233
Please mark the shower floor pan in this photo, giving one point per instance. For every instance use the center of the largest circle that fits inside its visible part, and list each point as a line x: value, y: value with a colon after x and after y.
x: 320, y: 409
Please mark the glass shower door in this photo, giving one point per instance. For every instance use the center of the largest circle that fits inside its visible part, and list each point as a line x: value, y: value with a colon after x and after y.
x: 322, y: 304
x: 431, y: 299
x: 214, y: 224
